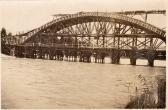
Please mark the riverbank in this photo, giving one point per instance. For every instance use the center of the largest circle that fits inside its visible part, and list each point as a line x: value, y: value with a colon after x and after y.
x: 151, y: 98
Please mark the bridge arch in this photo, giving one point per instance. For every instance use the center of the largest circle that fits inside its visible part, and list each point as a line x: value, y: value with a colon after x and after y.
x: 84, y: 17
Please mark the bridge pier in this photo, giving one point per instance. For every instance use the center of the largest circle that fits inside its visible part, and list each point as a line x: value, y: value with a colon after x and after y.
x: 103, y: 57
x: 81, y: 59
x: 99, y: 57
x: 85, y: 57
x: 38, y: 52
x: 59, y: 55
x: 151, y: 57
x: 133, y: 56
x: 74, y: 55
x: 66, y: 55
x: 46, y: 53
x: 43, y: 53
x: 75, y: 58
x: 133, y: 61
x: 54, y: 53
x: 30, y: 52
x: 34, y: 53
x: 95, y: 57
x: 19, y: 51
x: 115, y: 56
x: 26, y: 52
x: 70, y: 55
x: 51, y: 53
x: 151, y: 62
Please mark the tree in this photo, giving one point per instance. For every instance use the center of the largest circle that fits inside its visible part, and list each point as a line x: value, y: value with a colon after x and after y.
x: 3, y: 32
x: 3, y: 46
x: 9, y: 34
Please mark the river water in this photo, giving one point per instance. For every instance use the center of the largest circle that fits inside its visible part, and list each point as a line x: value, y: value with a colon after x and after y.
x: 36, y: 83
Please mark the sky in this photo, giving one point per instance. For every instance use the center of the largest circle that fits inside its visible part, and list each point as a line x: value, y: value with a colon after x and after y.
x: 24, y: 15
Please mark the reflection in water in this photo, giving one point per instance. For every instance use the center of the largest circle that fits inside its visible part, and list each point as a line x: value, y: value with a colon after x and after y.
x: 35, y: 83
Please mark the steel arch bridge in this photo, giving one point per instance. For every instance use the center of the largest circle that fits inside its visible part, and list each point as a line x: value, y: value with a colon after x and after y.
x: 97, y: 34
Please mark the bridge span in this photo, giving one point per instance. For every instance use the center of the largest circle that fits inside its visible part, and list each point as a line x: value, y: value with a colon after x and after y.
x: 80, y: 36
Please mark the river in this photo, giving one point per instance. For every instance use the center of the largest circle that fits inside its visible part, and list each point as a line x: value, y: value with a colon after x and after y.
x: 36, y: 83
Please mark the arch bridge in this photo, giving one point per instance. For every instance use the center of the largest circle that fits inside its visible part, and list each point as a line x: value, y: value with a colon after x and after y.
x: 84, y: 35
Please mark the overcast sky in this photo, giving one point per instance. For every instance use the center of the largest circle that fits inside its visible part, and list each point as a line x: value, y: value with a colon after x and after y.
x: 26, y: 15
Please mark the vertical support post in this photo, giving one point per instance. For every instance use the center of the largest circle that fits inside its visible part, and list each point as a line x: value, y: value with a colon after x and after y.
x: 133, y: 42
x: 103, y: 40
x: 115, y: 56
x: 145, y: 42
x: 114, y: 39
x: 97, y: 40
x: 151, y: 42
x: 25, y: 52
x: 146, y: 17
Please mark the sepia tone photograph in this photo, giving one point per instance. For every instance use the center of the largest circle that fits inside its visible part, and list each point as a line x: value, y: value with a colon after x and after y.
x: 83, y: 54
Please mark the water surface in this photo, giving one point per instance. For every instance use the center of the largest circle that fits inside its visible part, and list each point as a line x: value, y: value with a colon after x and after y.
x: 36, y: 83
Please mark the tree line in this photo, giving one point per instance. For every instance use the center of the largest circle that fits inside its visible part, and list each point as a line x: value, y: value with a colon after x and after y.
x: 4, y: 48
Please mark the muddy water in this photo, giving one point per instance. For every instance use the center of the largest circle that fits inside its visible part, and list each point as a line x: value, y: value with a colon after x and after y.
x: 35, y: 83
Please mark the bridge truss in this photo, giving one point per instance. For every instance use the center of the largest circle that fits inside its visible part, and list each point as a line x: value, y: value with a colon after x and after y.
x: 97, y: 34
